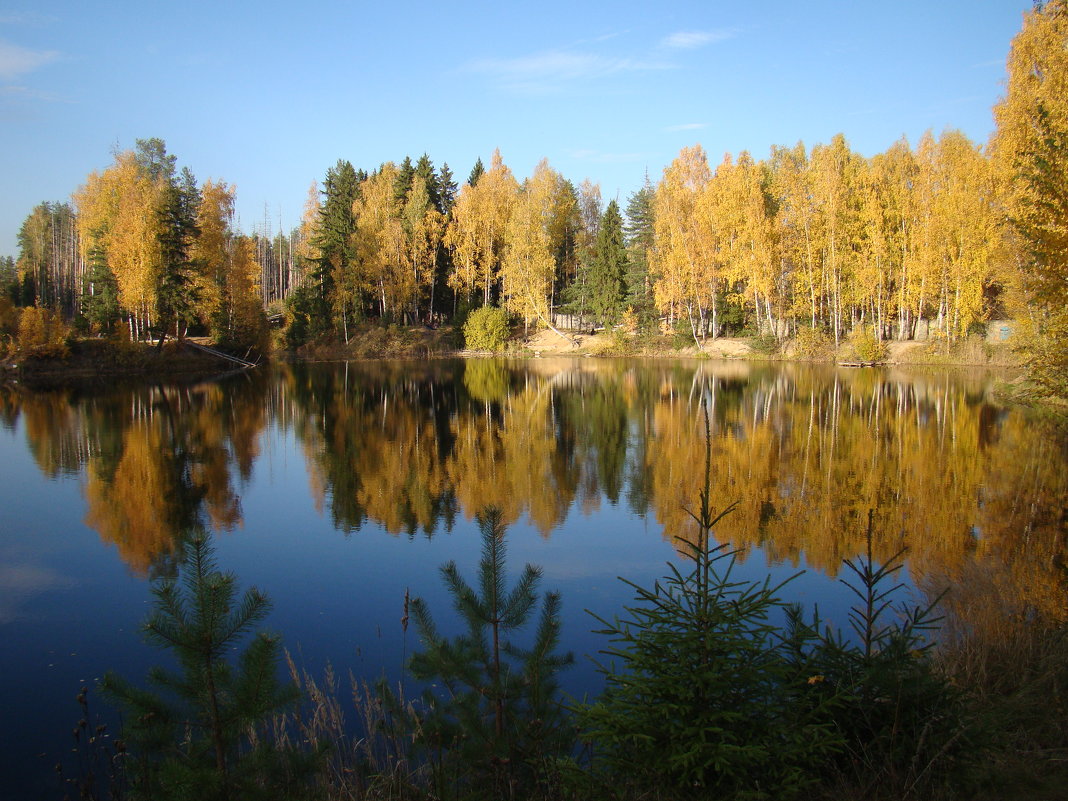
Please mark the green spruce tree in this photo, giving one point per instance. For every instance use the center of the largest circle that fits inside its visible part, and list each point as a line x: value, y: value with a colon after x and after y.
x: 640, y: 237
x: 332, y: 240
x: 446, y: 193
x: 476, y: 172
x: 607, y: 273
x: 175, y: 284
x: 702, y: 702
x: 100, y: 300
x: 188, y: 736
x: 493, y: 712
x: 9, y: 279
x: 403, y: 185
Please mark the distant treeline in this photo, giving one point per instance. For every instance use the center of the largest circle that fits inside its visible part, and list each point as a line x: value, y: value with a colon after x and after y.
x: 823, y: 237
x: 932, y: 239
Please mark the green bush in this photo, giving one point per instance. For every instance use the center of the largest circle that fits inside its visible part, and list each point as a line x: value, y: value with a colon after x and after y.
x: 682, y: 335
x: 864, y: 346
x: 764, y: 344
x: 486, y: 329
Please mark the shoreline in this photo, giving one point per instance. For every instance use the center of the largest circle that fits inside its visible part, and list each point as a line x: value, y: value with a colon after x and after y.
x: 96, y: 360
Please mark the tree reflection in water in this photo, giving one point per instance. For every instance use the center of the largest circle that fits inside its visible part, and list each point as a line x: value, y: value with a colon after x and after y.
x: 971, y: 488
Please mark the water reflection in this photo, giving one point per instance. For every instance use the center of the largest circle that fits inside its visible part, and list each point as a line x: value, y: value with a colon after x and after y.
x: 157, y: 462
x: 971, y: 488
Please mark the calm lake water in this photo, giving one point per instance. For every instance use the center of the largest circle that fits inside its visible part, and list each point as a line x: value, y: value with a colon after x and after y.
x: 334, y: 488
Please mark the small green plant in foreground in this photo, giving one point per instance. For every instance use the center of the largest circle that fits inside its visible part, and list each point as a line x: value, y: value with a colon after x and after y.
x: 706, y: 704
x: 709, y: 700
x: 494, y: 718
x: 905, y: 728
x: 193, y: 735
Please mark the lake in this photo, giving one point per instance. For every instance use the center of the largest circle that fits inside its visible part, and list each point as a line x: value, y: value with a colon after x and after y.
x: 335, y: 488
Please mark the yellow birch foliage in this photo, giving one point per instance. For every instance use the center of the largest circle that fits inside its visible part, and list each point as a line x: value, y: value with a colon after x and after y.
x: 477, y: 231
x: 116, y: 209
x: 890, y: 221
x: 538, y: 224
x: 736, y: 209
x: 424, y: 227
x: 833, y: 172
x: 795, y: 226
x: 380, y: 246
x: 211, y: 248
x: 683, y: 257
x: 969, y: 231
x: 1031, y: 146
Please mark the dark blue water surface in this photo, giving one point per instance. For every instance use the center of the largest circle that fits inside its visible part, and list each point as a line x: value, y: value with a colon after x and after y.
x: 336, y: 488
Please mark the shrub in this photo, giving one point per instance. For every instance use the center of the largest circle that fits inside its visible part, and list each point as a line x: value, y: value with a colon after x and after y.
x: 864, y: 346
x: 764, y: 344
x: 812, y: 343
x: 682, y: 334
x: 486, y: 328
x: 616, y: 342
x: 42, y: 333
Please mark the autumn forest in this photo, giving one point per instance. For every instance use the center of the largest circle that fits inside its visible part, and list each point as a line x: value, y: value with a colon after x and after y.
x: 930, y: 239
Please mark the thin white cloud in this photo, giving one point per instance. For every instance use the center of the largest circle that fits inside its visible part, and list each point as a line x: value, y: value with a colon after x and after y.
x: 552, y: 69
x: 691, y: 40
x: 687, y: 126
x: 16, y: 61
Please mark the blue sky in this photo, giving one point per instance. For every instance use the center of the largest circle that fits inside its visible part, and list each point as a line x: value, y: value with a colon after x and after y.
x: 267, y: 96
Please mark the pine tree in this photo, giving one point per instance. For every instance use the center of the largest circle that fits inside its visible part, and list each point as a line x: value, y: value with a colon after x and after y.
x: 425, y: 173
x: 153, y: 160
x: 497, y: 709
x: 9, y: 279
x: 608, y: 269
x: 175, y: 284
x: 189, y: 736
x: 403, y: 184
x: 640, y: 238
x: 446, y: 189
x: 476, y: 172
x: 100, y: 301
x: 332, y: 242
x: 444, y: 297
